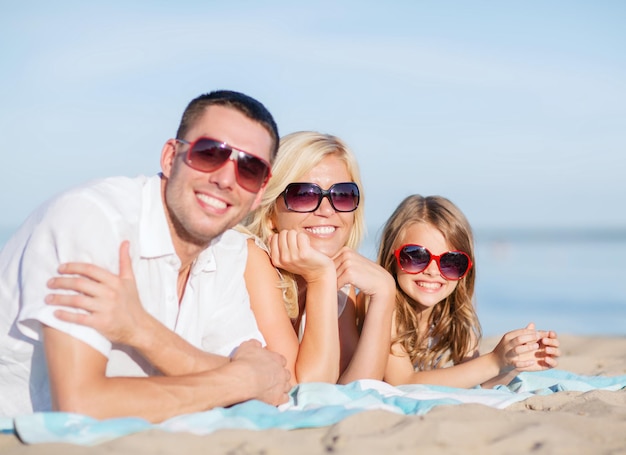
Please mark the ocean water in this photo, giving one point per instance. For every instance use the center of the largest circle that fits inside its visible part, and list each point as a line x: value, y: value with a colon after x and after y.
x: 570, y: 282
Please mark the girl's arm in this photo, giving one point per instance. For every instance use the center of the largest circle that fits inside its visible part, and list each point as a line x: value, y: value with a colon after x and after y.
x: 366, y: 355
x: 518, y: 350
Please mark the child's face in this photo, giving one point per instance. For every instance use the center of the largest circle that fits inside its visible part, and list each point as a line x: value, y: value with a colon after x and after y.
x: 327, y: 229
x: 428, y: 287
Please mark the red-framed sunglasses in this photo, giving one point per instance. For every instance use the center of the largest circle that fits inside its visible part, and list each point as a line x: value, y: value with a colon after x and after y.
x: 207, y: 155
x: 413, y: 259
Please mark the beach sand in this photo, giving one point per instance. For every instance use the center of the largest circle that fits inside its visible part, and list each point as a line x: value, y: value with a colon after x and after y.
x: 561, y: 423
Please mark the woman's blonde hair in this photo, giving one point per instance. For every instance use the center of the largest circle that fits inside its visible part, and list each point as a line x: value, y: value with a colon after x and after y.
x: 299, y: 153
x: 455, y: 328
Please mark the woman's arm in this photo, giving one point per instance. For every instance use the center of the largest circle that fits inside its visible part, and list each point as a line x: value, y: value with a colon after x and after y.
x: 318, y: 354
x: 267, y: 303
x: 368, y: 352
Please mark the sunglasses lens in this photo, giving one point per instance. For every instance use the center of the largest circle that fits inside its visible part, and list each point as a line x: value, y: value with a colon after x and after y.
x: 252, y: 172
x: 302, y: 197
x: 345, y: 196
x: 206, y: 155
x: 413, y: 258
x: 453, y: 265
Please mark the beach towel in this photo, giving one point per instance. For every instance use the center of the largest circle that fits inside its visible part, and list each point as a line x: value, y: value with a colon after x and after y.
x: 310, y: 405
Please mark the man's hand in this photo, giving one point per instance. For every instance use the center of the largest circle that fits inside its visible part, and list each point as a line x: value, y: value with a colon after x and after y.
x: 266, y: 370
x: 110, y: 302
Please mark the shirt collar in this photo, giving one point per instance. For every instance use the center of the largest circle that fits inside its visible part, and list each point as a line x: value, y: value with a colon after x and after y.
x: 154, y: 232
x: 155, y: 239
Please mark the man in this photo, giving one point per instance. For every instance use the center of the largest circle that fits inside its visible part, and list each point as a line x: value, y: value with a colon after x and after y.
x: 168, y: 238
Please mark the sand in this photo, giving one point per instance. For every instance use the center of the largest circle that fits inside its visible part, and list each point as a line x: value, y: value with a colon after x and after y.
x: 561, y: 423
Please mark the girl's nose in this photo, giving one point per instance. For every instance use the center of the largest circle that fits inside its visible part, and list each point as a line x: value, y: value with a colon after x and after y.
x: 432, y: 269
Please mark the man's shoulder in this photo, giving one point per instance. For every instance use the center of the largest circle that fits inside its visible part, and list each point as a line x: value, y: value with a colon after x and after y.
x: 109, y: 191
x: 112, y: 186
x: 231, y: 240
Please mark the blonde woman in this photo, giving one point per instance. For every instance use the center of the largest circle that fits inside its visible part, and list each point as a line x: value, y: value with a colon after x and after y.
x: 311, y: 221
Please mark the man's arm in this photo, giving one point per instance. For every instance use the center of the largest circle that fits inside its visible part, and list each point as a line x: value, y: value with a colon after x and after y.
x: 112, y: 307
x: 78, y: 383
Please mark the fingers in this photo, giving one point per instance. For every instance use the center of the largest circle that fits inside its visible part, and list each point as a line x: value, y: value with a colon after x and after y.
x: 72, y: 301
x: 126, y: 265
x: 81, y: 285
x: 522, y: 364
x: 359, y: 271
x: 520, y: 337
x: 269, y: 367
x: 253, y: 343
x: 549, y: 362
x: 77, y: 318
x: 553, y: 342
x: 86, y: 270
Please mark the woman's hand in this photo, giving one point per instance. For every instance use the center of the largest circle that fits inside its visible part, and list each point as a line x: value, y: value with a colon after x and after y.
x: 370, y: 278
x: 292, y: 251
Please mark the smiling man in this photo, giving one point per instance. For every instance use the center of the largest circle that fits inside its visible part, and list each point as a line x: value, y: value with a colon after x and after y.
x: 164, y: 241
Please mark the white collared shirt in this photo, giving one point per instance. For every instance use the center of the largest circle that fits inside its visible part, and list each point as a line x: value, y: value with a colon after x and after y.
x: 87, y: 224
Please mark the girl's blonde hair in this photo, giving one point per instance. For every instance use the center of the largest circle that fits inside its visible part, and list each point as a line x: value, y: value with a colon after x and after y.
x: 299, y: 153
x: 455, y: 328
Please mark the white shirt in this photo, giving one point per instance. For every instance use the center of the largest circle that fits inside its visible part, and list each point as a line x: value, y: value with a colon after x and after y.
x: 87, y: 224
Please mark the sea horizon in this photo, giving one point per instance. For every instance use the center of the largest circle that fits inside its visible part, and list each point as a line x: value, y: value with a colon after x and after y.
x: 567, y: 280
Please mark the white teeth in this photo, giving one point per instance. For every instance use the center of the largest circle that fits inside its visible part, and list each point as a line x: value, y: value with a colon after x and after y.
x: 427, y: 285
x: 211, y: 201
x: 321, y: 230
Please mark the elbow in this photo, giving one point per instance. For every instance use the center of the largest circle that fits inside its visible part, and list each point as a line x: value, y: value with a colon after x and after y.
x: 79, y: 403
x: 73, y: 404
x: 318, y: 375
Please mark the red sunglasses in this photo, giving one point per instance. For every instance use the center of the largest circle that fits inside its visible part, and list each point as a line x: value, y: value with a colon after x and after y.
x: 452, y: 265
x: 208, y: 155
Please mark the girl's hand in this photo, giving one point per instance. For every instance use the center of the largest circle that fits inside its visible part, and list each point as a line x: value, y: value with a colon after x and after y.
x: 292, y: 251
x: 527, y: 350
x: 548, y: 351
x: 110, y: 302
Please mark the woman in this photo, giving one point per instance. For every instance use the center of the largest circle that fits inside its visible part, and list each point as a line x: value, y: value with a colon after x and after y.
x: 311, y: 221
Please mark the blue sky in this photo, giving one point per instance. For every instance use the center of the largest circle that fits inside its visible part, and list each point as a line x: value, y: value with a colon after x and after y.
x: 514, y: 110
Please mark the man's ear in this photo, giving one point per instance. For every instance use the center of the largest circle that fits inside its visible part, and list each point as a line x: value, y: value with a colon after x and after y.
x: 168, y: 154
x: 258, y: 198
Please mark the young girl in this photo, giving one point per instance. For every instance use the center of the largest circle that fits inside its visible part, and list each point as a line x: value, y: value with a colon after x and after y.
x: 427, y: 245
